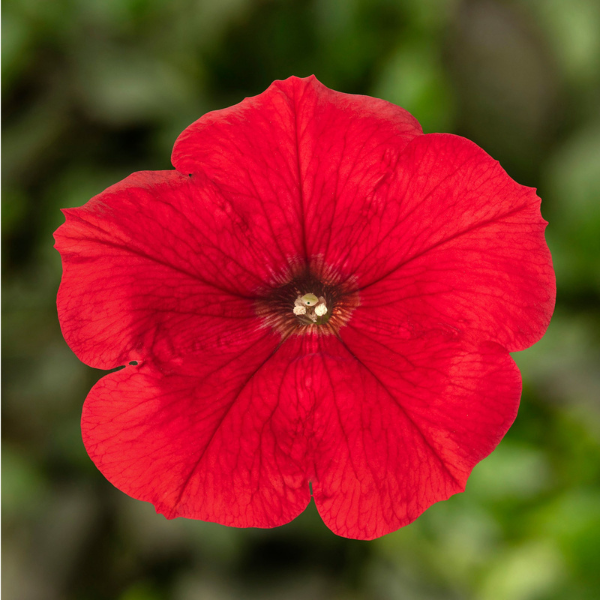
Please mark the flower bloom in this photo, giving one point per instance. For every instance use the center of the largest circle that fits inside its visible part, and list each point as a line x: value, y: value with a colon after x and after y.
x: 320, y: 298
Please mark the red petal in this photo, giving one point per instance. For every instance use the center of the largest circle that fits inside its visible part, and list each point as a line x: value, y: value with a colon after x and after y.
x: 297, y: 153
x: 382, y: 431
x: 400, y: 425
x: 157, y: 265
x: 451, y: 242
x: 215, y: 438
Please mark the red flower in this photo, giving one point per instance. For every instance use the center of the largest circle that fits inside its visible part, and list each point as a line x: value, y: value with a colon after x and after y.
x: 319, y: 294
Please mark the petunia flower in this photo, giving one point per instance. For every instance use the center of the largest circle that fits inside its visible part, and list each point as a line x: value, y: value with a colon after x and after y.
x: 320, y: 300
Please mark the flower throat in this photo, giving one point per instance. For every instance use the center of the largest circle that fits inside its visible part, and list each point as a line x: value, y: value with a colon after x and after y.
x: 307, y: 303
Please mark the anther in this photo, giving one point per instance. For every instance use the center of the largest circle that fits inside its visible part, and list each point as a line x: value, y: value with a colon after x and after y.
x: 320, y: 310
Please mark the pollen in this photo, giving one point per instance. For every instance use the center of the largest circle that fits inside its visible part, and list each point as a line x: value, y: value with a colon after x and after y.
x: 320, y: 309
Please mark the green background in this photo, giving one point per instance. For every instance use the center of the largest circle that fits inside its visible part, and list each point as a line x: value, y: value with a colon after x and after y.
x: 96, y: 89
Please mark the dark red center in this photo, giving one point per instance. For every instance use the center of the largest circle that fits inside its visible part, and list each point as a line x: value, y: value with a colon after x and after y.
x: 276, y: 305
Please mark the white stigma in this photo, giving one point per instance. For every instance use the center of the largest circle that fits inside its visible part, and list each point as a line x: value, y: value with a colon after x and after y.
x: 309, y: 300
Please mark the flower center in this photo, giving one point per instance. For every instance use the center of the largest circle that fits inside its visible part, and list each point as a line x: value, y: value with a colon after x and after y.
x: 309, y: 309
x: 305, y: 302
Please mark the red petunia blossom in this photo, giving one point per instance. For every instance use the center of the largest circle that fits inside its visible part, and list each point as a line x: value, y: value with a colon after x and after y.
x: 319, y: 295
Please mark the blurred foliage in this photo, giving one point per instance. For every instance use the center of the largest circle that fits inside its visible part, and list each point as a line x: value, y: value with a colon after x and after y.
x: 96, y: 89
